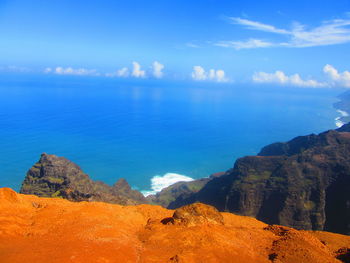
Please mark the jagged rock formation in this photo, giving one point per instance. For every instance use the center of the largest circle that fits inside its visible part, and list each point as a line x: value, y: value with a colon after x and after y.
x: 52, y: 230
x: 303, y: 183
x: 54, y: 176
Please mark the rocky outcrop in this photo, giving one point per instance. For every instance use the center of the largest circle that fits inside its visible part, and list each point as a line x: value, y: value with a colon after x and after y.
x: 198, y: 213
x: 54, y: 176
x: 303, y: 183
x: 53, y: 230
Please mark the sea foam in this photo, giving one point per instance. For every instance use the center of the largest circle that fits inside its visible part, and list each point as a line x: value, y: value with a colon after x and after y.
x: 160, y: 182
x: 338, y: 121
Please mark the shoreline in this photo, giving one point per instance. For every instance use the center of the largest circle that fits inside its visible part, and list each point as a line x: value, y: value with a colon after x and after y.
x: 160, y: 182
x: 343, y: 108
x: 340, y: 121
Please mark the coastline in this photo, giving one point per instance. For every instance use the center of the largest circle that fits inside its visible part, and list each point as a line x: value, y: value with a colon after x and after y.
x: 343, y: 108
x: 340, y: 121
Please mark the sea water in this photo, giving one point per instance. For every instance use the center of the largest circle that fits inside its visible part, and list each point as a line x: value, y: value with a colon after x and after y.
x: 147, y: 129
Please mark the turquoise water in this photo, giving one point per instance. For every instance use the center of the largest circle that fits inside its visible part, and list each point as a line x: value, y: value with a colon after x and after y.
x: 138, y: 130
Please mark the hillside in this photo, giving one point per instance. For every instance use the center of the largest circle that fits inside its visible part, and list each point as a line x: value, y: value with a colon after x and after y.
x: 54, y: 176
x: 50, y: 230
x: 303, y: 183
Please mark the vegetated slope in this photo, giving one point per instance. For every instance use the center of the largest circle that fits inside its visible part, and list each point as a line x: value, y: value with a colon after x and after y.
x: 303, y: 183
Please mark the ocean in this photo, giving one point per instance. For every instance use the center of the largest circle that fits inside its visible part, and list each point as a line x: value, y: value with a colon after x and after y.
x: 147, y: 129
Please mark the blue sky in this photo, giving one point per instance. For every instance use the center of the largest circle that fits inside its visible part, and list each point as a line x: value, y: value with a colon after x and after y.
x: 241, y: 41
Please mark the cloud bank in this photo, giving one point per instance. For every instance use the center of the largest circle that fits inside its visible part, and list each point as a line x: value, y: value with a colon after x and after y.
x: 340, y: 79
x: 331, y: 32
x: 334, y: 78
x: 137, y: 71
x: 279, y: 77
x: 199, y: 74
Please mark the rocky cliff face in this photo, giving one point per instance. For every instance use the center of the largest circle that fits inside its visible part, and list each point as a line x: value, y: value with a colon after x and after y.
x: 303, y: 183
x: 52, y: 230
x: 54, y: 176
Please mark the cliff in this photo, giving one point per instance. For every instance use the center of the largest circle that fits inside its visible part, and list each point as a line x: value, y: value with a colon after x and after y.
x: 303, y: 183
x: 54, y: 176
x: 53, y: 230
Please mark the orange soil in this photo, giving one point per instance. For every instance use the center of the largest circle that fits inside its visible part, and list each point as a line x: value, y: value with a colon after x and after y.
x: 36, y: 230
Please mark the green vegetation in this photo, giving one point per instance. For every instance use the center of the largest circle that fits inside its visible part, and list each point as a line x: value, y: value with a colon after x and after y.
x: 57, y: 194
x: 55, y: 180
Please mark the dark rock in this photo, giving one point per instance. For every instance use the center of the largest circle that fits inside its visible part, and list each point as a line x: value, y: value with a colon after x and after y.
x: 303, y: 184
x: 215, y: 175
x: 54, y: 176
x: 343, y: 254
x: 122, y: 188
x: 295, y: 146
x: 344, y: 128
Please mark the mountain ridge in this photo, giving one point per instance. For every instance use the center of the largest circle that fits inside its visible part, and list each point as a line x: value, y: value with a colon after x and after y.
x: 302, y: 184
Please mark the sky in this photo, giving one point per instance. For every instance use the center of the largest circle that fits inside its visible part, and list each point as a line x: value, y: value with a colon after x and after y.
x: 300, y: 43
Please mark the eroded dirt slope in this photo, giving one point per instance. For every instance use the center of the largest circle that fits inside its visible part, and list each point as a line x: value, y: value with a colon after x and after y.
x: 34, y: 229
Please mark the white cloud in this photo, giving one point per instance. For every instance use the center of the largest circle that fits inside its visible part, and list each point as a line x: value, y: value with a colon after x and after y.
x: 199, y: 74
x: 339, y: 79
x: 189, y: 44
x: 72, y: 71
x: 250, y: 43
x: 160, y: 182
x: 137, y: 72
x: 157, y: 69
x: 212, y: 73
x: 220, y: 76
x: 336, y: 31
x: 279, y: 77
x: 123, y: 72
x: 257, y: 25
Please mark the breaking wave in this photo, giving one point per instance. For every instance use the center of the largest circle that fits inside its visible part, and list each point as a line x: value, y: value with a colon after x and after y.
x: 338, y: 121
x: 160, y: 182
